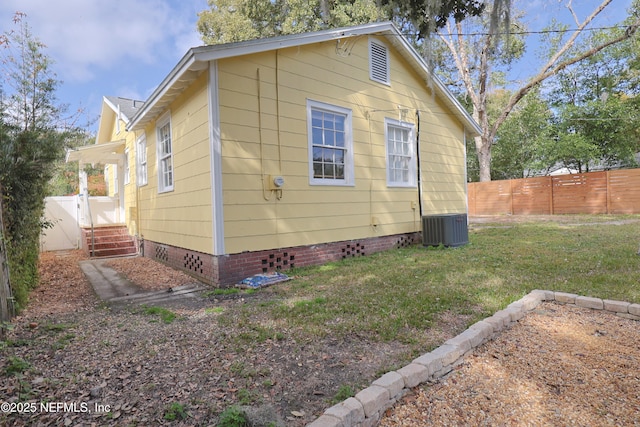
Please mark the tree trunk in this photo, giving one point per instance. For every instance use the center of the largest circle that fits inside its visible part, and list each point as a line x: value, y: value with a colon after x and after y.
x: 6, y: 299
x: 478, y: 91
x: 483, y: 150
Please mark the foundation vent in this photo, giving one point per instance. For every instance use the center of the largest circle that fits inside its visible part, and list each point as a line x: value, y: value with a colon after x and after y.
x: 162, y: 253
x: 353, y: 250
x: 193, y: 263
x: 278, y: 261
x: 405, y: 241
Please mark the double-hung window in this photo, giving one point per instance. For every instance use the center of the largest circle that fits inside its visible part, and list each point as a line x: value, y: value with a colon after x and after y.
x: 401, y: 154
x: 165, y: 155
x: 141, y: 160
x: 330, y: 144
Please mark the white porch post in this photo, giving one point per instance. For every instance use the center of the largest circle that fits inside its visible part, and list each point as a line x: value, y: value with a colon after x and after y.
x: 120, y: 190
x: 83, y: 193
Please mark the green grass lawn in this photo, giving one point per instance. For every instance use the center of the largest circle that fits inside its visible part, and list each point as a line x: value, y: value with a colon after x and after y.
x: 400, y: 294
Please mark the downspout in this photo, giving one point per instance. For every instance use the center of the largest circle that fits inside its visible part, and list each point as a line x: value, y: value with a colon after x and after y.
x: 466, y: 176
x: 137, y: 154
x: 419, y: 164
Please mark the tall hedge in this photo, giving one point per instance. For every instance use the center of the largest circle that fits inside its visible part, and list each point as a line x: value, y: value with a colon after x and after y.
x: 33, y: 132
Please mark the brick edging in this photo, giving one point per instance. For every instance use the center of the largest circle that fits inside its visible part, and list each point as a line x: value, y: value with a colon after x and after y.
x: 368, y: 405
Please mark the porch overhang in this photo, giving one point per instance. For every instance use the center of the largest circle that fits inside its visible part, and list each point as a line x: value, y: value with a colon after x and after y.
x: 106, y: 153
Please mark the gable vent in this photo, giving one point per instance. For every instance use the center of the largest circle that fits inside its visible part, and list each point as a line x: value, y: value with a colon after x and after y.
x: 378, y: 62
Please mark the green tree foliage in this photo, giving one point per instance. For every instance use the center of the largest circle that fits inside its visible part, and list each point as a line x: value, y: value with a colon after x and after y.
x: 428, y: 15
x: 520, y: 140
x: 238, y: 20
x: 32, y: 138
x: 607, y: 126
x: 65, y: 181
x: 476, y: 66
x: 597, y: 103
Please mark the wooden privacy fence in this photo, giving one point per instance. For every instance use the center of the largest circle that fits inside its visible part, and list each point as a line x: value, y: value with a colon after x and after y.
x: 608, y: 192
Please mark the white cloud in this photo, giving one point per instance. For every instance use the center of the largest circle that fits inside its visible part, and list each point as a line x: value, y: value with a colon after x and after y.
x: 88, y: 37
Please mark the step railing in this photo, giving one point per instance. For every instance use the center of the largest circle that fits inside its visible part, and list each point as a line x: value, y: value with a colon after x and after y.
x: 93, y: 237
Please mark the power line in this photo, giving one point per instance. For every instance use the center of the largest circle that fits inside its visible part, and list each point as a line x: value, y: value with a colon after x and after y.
x: 568, y: 30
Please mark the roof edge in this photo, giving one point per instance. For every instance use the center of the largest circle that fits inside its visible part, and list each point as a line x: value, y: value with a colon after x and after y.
x: 205, y: 54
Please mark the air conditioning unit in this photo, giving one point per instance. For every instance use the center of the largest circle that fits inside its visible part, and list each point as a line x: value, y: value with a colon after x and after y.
x: 446, y: 229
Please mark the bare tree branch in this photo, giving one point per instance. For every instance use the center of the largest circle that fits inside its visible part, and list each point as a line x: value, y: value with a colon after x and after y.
x: 548, y: 72
x: 573, y: 12
x: 569, y: 43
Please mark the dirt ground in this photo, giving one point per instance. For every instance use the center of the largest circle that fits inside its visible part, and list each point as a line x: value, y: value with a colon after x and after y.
x: 122, y: 366
x: 135, y: 365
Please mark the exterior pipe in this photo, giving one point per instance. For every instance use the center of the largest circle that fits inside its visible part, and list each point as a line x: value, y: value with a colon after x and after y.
x: 419, y: 169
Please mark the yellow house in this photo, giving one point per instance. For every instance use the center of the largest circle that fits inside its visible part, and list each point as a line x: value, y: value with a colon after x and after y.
x: 270, y: 154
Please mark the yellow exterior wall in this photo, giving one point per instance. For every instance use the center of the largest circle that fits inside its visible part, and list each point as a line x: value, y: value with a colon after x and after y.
x: 182, y: 217
x: 118, y: 133
x: 263, y: 101
x: 130, y: 200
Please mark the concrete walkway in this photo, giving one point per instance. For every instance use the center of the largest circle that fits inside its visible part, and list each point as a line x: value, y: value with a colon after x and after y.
x: 112, y: 287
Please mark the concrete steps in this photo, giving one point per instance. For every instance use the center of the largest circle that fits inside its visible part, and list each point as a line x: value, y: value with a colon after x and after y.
x: 111, y: 241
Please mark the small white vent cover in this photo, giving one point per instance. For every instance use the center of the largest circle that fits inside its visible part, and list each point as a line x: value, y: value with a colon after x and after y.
x: 378, y: 62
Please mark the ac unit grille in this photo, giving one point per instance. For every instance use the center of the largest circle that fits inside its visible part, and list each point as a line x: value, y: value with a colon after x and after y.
x: 446, y: 229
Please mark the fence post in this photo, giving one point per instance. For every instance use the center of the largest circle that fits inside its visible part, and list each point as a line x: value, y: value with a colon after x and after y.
x: 606, y: 174
x: 550, y: 194
x: 511, y: 197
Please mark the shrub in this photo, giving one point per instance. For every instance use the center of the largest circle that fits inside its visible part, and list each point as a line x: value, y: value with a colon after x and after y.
x: 233, y: 416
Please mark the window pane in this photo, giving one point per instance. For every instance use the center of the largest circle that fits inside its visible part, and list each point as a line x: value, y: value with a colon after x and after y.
x: 328, y: 171
x: 317, y: 170
x: 327, y: 156
x: 329, y: 120
x: 317, y: 136
x: 317, y: 154
x: 329, y: 138
x: 339, y: 172
x: 316, y: 119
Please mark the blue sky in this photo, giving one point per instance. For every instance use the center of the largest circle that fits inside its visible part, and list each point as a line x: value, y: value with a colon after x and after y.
x: 540, y: 13
x: 109, y: 47
x: 126, y: 47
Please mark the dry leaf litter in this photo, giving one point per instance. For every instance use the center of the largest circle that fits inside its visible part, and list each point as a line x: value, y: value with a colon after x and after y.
x: 558, y: 366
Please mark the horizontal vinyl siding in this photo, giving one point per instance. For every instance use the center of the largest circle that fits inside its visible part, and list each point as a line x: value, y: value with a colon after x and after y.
x: 129, y: 189
x: 256, y: 144
x: 181, y: 217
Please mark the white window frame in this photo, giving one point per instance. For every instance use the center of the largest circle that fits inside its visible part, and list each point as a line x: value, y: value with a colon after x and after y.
x: 126, y: 167
x: 166, y: 172
x: 347, y: 134
x: 378, y: 51
x: 141, y: 161
x: 409, y: 153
